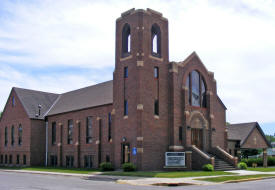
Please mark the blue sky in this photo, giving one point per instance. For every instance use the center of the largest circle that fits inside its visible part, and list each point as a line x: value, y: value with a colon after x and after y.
x: 57, y: 46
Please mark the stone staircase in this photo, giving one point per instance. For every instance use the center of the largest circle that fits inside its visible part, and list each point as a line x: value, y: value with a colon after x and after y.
x: 221, y: 165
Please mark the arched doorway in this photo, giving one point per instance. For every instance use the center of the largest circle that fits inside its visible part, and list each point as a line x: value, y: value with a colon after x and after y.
x: 199, y: 127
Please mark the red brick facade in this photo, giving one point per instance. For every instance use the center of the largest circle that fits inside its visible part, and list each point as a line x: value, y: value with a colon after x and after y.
x: 32, y: 148
x: 150, y: 132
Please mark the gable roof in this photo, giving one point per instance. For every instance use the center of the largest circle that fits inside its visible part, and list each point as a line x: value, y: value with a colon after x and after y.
x: 30, y: 100
x: 91, y: 96
x: 241, y: 132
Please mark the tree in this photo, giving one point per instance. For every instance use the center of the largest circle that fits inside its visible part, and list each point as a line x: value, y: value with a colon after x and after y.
x: 270, y: 138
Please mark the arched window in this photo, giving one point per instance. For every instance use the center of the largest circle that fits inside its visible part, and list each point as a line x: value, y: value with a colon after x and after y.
x: 20, y: 130
x: 203, y: 93
x: 187, y: 84
x: 156, y: 40
x: 196, y: 86
x: 195, y: 80
x: 126, y: 40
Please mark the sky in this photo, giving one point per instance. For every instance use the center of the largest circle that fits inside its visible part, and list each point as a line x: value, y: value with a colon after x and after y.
x: 58, y: 46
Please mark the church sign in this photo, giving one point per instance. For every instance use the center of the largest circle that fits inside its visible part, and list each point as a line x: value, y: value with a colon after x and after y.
x: 175, y: 159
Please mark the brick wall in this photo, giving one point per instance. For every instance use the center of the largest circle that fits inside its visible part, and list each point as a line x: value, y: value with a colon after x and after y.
x: 79, y: 149
x: 13, y: 116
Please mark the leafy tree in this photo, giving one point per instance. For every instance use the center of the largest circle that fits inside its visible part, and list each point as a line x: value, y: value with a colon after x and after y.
x: 270, y: 138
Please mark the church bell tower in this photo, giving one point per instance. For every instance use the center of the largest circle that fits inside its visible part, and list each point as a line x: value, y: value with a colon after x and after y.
x: 140, y: 89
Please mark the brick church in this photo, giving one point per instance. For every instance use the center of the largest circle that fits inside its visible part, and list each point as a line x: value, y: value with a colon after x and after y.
x: 151, y: 107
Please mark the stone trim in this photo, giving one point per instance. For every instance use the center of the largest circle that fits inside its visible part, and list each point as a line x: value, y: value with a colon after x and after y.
x: 140, y: 150
x: 156, y: 116
x: 140, y: 107
x: 113, y: 112
x: 139, y: 138
x: 126, y: 58
x: 140, y: 63
x: 155, y: 58
x: 176, y: 147
x: 174, y: 68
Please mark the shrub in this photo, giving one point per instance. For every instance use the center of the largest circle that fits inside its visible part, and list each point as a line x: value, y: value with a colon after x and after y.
x: 250, y: 161
x: 242, y: 166
x: 208, y: 167
x: 128, y: 167
x: 271, y: 161
x: 259, y: 161
x: 106, y: 166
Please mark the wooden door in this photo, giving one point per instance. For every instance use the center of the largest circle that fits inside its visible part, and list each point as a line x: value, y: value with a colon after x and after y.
x: 196, y: 137
x: 125, y: 153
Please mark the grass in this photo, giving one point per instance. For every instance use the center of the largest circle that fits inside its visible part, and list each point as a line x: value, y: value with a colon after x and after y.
x: 235, y: 178
x: 260, y: 169
x: 53, y: 169
x: 168, y: 174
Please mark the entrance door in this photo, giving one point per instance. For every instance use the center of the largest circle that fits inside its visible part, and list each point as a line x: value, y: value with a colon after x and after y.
x: 125, y: 153
x: 196, y: 137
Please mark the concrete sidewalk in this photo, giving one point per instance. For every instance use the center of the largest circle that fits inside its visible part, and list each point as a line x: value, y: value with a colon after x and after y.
x: 185, y: 180
x: 142, y: 180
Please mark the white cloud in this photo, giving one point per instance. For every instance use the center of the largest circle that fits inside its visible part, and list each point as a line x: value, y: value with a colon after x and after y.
x: 234, y: 38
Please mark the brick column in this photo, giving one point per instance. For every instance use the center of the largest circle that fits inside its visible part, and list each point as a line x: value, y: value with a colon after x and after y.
x: 188, y: 160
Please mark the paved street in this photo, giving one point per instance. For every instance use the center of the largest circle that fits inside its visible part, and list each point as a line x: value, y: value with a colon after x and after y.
x: 11, y: 181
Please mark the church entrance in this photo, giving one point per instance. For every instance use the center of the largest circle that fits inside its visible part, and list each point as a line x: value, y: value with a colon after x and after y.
x: 196, y: 137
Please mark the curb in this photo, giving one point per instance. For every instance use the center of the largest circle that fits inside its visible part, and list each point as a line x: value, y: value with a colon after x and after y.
x: 251, y: 179
x: 48, y: 173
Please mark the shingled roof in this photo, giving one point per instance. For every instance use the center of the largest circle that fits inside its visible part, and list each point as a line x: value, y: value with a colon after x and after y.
x: 91, y: 96
x: 241, y: 131
x: 30, y: 100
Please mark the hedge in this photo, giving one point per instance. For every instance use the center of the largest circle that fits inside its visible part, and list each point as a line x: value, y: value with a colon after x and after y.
x: 258, y: 161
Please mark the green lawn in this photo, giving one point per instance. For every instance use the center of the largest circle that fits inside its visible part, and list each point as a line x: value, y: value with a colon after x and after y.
x: 168, y: 174
x: 260, y: 169
x: 53, y: 169
x: 235, y: 178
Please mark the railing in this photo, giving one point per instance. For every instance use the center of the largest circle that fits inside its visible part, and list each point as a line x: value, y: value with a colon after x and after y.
x: 199, y: 158
x: 225, y: 155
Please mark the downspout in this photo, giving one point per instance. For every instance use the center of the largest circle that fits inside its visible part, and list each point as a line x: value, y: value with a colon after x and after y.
x: 46, y: 153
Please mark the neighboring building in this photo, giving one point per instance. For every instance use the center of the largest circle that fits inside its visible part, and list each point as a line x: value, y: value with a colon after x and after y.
x: 243, y: 136
x: 151, y: 107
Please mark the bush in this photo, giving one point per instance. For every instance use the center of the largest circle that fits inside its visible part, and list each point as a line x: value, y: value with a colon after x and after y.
x: 208, y: 167
x: 106, y: 166
x: 242, y: 166
x: 259, y: 161
x: 271, y: 161
x: 129, y: 167
x: 250, y: 161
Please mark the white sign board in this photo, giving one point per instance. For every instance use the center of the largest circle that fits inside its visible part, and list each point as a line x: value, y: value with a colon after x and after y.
x: 175, y: 159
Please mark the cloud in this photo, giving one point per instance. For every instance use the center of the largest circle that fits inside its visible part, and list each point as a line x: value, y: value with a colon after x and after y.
x: 47, y: 43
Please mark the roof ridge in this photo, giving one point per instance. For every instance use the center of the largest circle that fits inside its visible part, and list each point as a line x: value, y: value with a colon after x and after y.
x: 57, y: 99
x: 254, y: 122
x: 15, y: 88
x: 86, y: 87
